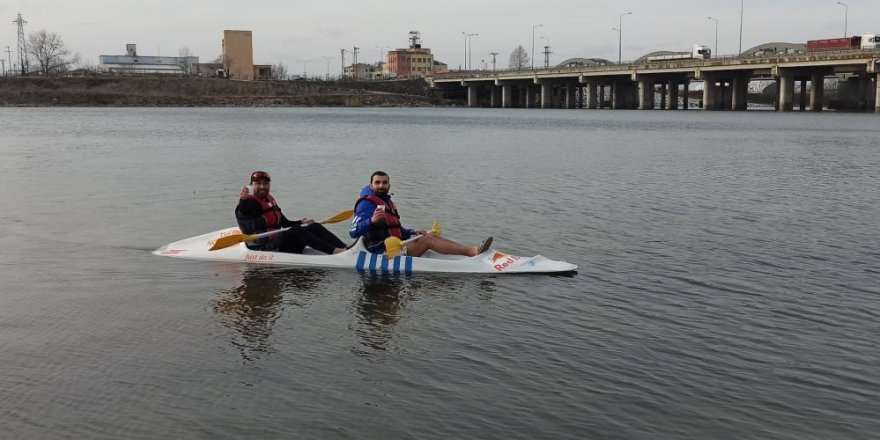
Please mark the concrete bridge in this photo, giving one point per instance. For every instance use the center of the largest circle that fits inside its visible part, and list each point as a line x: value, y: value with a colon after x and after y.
x: 643, y: 84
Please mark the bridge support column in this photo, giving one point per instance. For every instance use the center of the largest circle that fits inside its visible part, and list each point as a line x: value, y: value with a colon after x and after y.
x: 709, y: 93
x: 601, y: 95
x: 673, y: 94
x: 530, y: 97
x: 802, y: 102
x: 473, y: 90
x: 685, y: 90
x: 646, y: 94
x: 877, y: 93
x: 592, y: 95
x: 546, y: 95
x: 817, y: 93
x: 740, y: 93
x: 570, y: 96
x: 506, y: 96
x: 663, y: 100
x: 786, y: 93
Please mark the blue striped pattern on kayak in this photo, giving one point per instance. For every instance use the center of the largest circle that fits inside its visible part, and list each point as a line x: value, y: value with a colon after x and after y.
x: 381, y: 263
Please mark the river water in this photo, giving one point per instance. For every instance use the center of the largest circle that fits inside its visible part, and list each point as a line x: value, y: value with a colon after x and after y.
x: 728, y: 281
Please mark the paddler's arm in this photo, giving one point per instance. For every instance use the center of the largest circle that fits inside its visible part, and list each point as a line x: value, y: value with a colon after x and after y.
x: 249, y: 216
x: 362, y: 222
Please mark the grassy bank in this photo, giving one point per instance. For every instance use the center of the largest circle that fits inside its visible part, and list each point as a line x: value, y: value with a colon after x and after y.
x: 127, y: 91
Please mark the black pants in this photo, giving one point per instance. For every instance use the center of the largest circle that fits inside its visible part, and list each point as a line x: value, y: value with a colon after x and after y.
x: 315, y: 235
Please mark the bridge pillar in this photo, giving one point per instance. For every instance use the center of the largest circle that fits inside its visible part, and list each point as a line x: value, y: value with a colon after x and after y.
x: 673, y: 94
x: 570, y: 96
x: 802, y: 102
x: 646, y: 94
x: 685, y: 89
x: 546, y: 95
x: 592, y: 95
x: 786, y: 93
x: 472, y: 92
x: 506, y: 95
x: 817, y: 93
x: 877, y: 93
x: 709, y: 93
x: 740, y: 93
x: 601, y: 95
x: 663, y: 100
x: 529, y: 95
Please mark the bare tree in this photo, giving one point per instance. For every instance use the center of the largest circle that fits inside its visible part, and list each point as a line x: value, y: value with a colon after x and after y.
x: 279, y: 71
x: 519, y: 58
x: 185, y: 60
x: 48, y: 50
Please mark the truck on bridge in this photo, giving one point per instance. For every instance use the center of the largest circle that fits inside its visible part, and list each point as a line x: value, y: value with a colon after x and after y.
x: 865, y: 41
x: 699, y: 53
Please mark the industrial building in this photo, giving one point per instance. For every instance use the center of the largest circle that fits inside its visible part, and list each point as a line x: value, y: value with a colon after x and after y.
x: 131, y: 62
x: 412, y: 62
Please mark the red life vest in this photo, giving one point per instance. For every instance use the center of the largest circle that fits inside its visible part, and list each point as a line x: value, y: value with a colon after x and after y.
x: 391, y: 227
x: 271, y: 212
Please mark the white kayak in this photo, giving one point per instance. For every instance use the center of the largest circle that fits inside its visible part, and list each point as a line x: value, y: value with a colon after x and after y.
x: 357, y: 257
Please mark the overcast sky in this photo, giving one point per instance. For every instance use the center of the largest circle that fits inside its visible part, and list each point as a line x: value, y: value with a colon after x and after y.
x: 291, y: 31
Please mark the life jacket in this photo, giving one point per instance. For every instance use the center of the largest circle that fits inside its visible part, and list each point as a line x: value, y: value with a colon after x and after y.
x: 391, y: 227
x: 271, y: 212
x: 272, y: 215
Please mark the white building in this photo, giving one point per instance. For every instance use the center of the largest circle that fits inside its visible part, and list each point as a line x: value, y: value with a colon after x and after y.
x: 131, y: 62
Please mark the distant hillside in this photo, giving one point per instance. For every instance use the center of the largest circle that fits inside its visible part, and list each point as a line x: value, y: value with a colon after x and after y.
x: 126, y: 91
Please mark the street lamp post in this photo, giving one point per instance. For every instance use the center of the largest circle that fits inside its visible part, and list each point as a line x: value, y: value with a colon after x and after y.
x: 845, y: 16
x: 470, y: 48
x: 740, y: 27
x: 716, y: 34
x: 533, y: 43
x: 620, y: 36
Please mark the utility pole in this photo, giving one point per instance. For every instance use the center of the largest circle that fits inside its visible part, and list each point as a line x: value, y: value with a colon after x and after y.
x: 22, y: 47
x: 494, y: 54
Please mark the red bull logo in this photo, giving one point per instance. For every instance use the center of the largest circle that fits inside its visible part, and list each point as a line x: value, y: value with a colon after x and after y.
x: 506, y: 263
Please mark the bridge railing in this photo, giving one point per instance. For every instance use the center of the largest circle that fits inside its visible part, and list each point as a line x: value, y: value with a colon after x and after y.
x: 723, y: 60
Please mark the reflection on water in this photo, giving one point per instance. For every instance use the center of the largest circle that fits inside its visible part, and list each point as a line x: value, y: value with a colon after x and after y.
x: 252, y: 308
x: 379, y: 308
x: 383, y: 300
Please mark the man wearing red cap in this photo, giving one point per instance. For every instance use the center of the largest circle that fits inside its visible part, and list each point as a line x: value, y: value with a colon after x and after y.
x: 257, y: 212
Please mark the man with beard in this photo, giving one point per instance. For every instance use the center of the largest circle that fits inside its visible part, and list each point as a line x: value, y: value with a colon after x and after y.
x: 257, y: 212
x: 376, y: 218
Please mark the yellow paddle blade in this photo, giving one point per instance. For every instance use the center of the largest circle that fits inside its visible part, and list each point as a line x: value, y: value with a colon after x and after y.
x: 393, y: 246
x: 231, y: 240
x: 344, y: 215
x: 436, y: 229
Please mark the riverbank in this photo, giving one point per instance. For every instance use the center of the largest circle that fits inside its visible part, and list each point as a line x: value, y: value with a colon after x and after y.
x: 199, y: 92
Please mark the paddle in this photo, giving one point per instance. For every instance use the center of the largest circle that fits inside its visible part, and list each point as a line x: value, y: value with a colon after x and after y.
x: 232, y: 240
x: 393, y: 245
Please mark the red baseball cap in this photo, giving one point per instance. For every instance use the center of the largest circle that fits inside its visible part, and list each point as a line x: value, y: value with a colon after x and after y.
x: 260, y: 175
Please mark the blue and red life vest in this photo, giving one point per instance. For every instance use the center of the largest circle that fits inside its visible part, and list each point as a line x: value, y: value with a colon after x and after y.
x: 390, y: 228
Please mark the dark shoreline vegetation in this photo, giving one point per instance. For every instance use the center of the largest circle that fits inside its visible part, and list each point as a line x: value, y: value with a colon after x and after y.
x: 199, y: 92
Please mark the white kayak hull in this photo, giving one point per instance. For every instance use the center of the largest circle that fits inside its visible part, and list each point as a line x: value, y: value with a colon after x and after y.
x: 360, y: 259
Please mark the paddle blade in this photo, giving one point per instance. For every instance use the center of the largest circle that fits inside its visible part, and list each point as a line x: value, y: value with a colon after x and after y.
x: 393, y: 245
x: 436, y: 229
x: 231, y: 240
x: 342, y: 216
